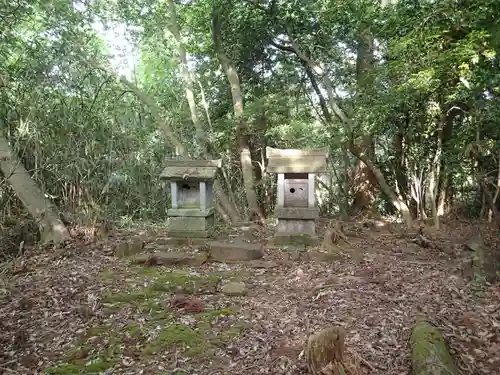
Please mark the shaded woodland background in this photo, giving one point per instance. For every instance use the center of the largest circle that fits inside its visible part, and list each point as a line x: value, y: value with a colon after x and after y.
x: 404, y: 95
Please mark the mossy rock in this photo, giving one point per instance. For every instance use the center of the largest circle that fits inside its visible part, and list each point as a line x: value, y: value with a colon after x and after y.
x: 430, y: 355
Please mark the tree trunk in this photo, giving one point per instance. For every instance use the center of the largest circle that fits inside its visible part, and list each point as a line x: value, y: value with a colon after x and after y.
x: 399, y: 204
x: 400, y: 162
x: 438, y: 176
x: 364, y: 181
x: 52, y: 229
x: 493, y: 210
x: 187, y: 77
x: 483, y: 183
x: 241, y: 127
x: 443, y: 198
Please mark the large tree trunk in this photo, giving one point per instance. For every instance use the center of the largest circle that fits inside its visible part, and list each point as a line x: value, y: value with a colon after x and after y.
x: 241, y: 127
x: 493, y: 210
x: 364, y: 181
x: 43, y: 211
x: 398, y: 203
x: 438, y: 175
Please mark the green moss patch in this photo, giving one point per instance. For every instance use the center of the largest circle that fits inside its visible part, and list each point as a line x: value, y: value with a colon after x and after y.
x: 181, y: 337
x: 93, y: 367
x: 151, y: 327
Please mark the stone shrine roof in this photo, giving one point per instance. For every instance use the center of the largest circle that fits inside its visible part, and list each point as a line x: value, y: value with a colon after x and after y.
x: 185, y: 170
x: 296, y: 161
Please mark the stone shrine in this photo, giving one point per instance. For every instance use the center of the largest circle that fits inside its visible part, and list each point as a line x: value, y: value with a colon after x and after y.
x: 296, y: 208
x: 191, y: 189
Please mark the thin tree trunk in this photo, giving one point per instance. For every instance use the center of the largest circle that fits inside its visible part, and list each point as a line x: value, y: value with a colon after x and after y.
x: 241, y: 128
x: 497, y: 192
x: 483, y: 182
x: 187, y: 77
x: 52, y: 229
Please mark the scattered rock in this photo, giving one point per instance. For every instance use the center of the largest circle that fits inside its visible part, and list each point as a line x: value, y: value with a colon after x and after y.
x: 29, y: 361
x: 481, y: 264
x: 291, y: 352
x: 85, y: 312
x: 25, y: 303
x: 475, y: 244
x: 132, y: 247
x: 234, y: 289
x: 170, y: 258
x: 234, y: 252
x: 188, y: 304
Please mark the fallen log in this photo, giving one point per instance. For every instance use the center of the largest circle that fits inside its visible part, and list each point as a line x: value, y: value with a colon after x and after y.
x: 430, y: 354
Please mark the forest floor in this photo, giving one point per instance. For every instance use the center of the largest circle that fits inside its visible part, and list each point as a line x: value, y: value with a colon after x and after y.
x: 83, y: 311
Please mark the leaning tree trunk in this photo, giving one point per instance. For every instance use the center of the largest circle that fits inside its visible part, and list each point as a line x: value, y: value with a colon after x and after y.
x: 241, y: 127
x: 43, y: 211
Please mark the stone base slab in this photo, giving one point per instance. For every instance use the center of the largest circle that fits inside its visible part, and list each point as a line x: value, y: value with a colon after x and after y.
x: 294, y: 239
x: 190, y: 226
x: 296, y: 213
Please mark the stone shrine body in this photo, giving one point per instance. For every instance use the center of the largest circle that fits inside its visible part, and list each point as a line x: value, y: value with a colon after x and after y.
x: 191, y: 189
x: 296, y: 209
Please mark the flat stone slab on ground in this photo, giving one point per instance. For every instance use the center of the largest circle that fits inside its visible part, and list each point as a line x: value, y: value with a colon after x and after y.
x: 234, y: 289
x: 179, y: 241
x: 257, y: 263
x: 234, y: 252
x: 130, y: 247
x: 170, y: 258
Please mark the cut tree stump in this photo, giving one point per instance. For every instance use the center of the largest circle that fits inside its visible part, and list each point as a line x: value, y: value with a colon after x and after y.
x: 325, y: 354
x: 430, y: 355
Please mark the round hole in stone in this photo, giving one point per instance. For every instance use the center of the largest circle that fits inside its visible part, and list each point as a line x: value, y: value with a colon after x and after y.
x: 292, y: 190
x: 185, y: 187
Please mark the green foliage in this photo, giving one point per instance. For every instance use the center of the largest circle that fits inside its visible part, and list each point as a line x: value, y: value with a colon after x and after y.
x: 96, y: 147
